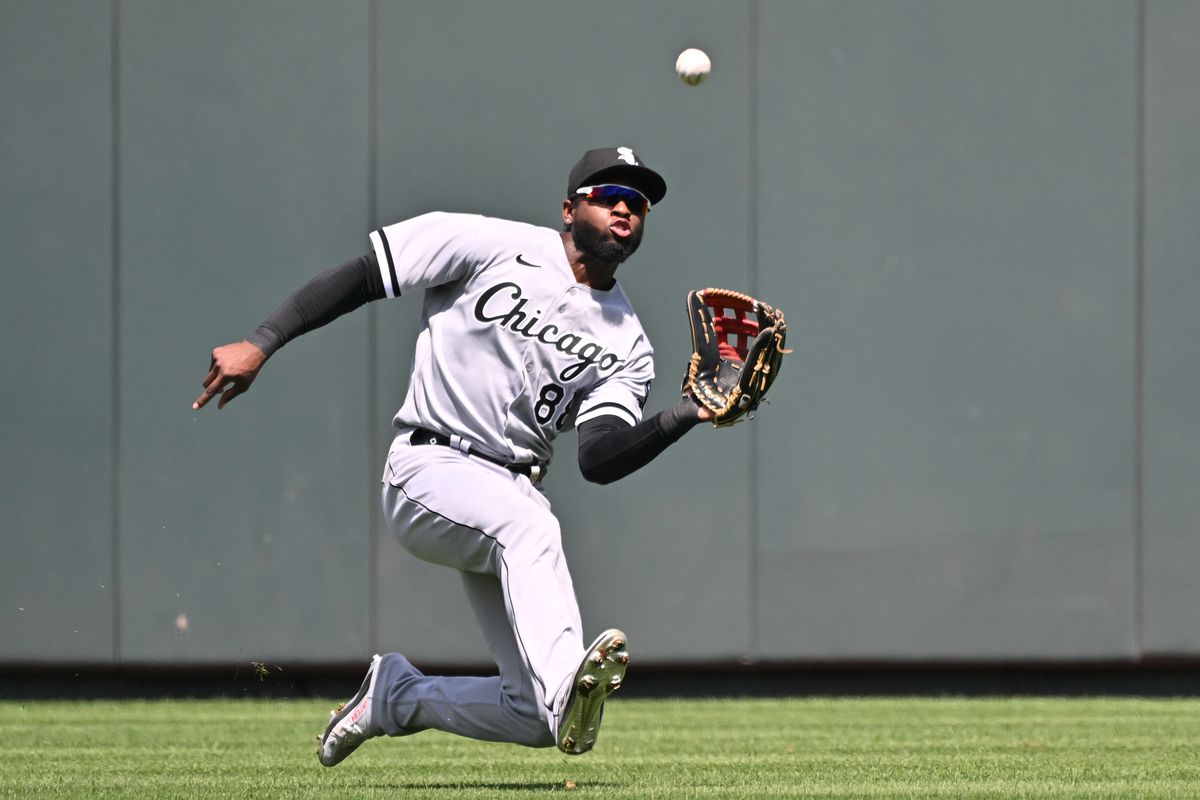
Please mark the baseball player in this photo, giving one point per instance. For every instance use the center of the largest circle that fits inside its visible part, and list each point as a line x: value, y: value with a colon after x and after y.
x: 525, y: 334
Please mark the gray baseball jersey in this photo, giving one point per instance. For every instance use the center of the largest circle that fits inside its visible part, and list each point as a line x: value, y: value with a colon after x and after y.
x: 512, y: 349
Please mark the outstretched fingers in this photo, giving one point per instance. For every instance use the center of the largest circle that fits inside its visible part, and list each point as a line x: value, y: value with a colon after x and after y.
x: 230, y: 372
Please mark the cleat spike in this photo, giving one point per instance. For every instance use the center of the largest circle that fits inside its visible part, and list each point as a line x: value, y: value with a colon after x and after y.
x: 621, y: 658
x: 614, y: 683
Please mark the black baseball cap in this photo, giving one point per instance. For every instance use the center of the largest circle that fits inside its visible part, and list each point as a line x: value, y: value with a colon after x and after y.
x: 616, y: 165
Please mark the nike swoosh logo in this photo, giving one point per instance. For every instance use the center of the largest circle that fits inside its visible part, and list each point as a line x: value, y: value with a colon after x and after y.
x: 522, y: 261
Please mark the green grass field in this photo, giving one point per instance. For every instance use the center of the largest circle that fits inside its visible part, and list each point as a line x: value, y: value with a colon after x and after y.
x: 846, y: 748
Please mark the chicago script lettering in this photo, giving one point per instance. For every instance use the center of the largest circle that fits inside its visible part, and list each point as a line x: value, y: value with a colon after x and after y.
x: 505, y: 305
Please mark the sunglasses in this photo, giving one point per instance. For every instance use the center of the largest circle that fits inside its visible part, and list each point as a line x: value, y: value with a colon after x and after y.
x: 609, y: 194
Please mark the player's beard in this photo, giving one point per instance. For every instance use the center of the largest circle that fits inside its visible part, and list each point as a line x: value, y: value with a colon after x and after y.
x: 601, y: 245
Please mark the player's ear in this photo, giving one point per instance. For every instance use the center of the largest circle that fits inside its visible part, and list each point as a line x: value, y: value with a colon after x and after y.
x: 568, y: 213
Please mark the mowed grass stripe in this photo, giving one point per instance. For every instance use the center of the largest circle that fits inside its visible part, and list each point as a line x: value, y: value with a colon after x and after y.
x: 763, y: 748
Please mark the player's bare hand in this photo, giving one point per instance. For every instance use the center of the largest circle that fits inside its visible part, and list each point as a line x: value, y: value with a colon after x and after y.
x: 704, y: 414
x: 233, y: 368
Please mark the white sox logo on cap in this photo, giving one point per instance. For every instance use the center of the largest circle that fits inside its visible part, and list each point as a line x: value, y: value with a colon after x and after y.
x: 618, y: 165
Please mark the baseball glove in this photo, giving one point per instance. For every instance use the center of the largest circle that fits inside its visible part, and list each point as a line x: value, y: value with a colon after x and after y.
x: 737, y: 347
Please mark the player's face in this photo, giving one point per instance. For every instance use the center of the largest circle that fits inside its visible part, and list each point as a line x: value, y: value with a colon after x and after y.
x: 606, y: 229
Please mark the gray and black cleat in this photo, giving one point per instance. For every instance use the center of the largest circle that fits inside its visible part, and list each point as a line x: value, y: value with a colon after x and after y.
x: 350, y: 724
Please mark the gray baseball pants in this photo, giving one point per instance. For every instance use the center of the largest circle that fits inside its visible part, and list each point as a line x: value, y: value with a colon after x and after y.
x: 496, y: 528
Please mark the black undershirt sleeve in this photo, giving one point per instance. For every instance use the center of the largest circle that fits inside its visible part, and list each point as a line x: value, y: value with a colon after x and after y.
x: 610, y: 448
x: 323, y: 299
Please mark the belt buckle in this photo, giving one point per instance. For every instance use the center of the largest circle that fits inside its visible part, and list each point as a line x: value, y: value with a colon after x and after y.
x: 536, y: 472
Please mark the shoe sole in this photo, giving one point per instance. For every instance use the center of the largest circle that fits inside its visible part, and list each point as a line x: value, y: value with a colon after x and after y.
x: 600, y: 674
x: 341, y: 712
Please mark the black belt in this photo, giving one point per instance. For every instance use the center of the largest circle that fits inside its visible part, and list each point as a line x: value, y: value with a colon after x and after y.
x: 535, y: 472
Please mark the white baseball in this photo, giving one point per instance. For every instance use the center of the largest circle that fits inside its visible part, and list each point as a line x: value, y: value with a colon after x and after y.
x: 693, y: 66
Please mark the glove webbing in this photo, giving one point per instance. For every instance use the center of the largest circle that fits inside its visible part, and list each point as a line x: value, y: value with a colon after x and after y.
x: 732, y: 321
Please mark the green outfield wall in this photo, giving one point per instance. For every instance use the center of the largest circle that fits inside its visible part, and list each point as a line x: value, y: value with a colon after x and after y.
x: 981, y: 218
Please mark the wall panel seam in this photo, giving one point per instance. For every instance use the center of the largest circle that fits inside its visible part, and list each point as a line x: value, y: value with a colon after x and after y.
x: 115, y: 322
x: 1139, y: 363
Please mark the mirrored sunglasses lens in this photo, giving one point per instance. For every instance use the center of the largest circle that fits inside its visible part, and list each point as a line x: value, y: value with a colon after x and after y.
x: 611, y: 195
